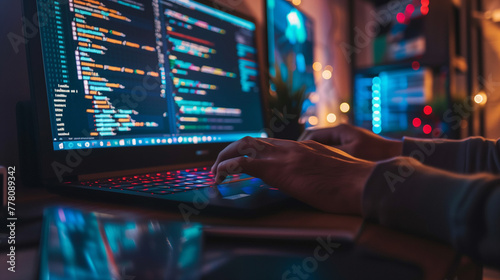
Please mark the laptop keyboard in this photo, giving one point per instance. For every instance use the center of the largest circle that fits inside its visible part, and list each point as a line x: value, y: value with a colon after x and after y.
x: 164, y: 183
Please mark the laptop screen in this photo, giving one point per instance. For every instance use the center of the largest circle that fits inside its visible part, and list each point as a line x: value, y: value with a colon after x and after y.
x: 139, y: 73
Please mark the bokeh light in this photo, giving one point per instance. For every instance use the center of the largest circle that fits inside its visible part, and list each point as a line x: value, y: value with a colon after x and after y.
x: 481, y: 98
x: 327, y: 75
x: 317, y: 66
x: 344, y: 107
x: 424, y: 10
x: 314, y: 97
x: 313, y: 120
x: 415, y: 65
x: 331, y: 118
x: 427, y: 110
x: 410, y: 9
x: 417, y: 122
x: 400, y: 17
x: 427, y: 129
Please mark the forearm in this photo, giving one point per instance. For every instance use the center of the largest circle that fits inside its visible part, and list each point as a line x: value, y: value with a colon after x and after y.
x: 461, y: 210
x: 466, y: 156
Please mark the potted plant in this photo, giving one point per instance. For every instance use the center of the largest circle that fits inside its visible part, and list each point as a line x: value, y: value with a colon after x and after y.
x: 285, y: 102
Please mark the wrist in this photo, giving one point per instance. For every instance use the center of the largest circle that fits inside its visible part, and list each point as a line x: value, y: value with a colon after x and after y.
x: 365, y: 172
x: 395, y: 148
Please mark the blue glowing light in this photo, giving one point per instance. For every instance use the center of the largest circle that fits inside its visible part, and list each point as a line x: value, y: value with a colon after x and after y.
x: 376, y: 106
x: 301, y: 63
x: 296, y: 30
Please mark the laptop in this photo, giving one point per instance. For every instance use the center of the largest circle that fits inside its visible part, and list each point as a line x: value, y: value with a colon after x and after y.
x: 135, y: 99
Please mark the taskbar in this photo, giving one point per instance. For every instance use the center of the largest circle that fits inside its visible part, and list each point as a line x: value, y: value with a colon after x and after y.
x: 153, y: 141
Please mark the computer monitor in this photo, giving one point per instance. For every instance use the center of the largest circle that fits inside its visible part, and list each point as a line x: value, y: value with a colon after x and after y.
x: 290, y: 34
x: 122, y: 73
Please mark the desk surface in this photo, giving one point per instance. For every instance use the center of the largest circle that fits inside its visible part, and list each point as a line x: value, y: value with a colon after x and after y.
x: 436, y: 260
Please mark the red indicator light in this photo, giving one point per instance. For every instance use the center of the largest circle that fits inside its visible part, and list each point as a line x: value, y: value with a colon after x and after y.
x: 415, y: 65
x: 425, y: 2
x: 400, y: 17
x: 427, y: 129
x: 424, y: 10
x: 417, y: 122
x: 410, y: 9
x: 427, y: 110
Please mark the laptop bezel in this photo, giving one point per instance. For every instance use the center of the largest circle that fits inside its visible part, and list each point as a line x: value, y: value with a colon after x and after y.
x: 63, y: 165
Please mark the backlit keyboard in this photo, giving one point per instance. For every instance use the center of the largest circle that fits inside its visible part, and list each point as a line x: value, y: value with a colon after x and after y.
x: 164, y: 183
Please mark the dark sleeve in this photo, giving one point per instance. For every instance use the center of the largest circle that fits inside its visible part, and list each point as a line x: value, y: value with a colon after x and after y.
x: 466, y: 156
x: 463, y: 210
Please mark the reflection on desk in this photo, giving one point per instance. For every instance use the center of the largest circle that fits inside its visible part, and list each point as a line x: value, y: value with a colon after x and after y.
x: 377, y: 250
x: 91, y: 246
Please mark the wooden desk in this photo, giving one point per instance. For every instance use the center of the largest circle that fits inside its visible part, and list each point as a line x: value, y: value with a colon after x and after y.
x: 436, y: 260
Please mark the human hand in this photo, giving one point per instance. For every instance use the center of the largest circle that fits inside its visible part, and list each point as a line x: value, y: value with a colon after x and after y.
x: 356, y: 141
x: 321, y: 176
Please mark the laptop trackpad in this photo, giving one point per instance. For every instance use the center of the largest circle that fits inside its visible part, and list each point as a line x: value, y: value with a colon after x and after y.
x: 241, y: 189
x: 236, y: 196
